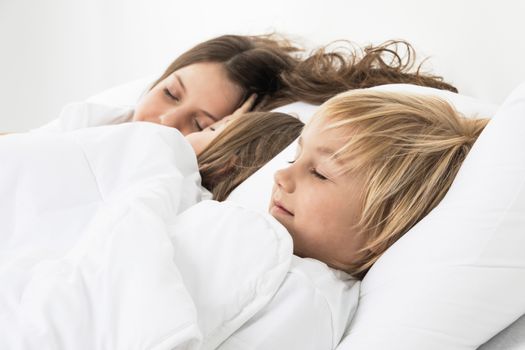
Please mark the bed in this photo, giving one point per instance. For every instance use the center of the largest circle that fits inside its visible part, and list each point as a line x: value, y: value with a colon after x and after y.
x: 455, y: 281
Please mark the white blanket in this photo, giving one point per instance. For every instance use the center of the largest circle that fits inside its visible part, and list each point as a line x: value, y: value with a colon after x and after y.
x: 94, y: 256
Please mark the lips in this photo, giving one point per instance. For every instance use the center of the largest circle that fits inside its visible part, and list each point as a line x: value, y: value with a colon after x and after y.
x: 282, y: 208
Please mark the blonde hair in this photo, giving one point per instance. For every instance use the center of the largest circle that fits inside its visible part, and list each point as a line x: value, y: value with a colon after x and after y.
x: 409, y: 148
x: 244, y: 146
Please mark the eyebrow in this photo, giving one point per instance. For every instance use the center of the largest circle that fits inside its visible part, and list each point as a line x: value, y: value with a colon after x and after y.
x: 181, y: 83
x: 327, y: 151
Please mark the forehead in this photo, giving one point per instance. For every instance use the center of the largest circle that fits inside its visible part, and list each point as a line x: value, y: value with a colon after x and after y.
x: 212, y: 70
x: 318, y: 132
x: 333, y: 143
x: 209, y: 84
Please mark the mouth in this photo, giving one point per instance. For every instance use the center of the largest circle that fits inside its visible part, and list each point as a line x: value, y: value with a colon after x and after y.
x: 280, y: 208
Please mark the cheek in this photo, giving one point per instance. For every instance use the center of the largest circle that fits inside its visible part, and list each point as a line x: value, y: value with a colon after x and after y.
x: 226, y: 102
x: 200, y: 140
x: 206, y: 139
x: 222, y: 108
x: 324, y: 212
x: 196, y: 142
x: 315, y: 212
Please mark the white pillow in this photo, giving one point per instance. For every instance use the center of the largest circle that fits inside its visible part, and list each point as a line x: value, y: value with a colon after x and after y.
x: 255, y: 192
x: 126, y: 95
x: 458, y: 277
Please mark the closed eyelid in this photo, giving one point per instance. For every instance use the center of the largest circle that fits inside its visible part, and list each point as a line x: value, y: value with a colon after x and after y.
x: 178, y: 83
x: 318, y: 174
x: 169, y: 92
x: 198, y: 125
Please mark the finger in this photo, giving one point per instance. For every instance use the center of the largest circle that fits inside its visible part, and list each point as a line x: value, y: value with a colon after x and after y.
x: 248, y: 104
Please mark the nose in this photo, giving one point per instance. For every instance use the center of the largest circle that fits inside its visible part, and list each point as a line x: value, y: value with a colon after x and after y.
x: 284, y: 179
x: 179, y: 118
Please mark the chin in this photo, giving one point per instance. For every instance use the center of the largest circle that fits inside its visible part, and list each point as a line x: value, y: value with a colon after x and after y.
x: 278, y: 217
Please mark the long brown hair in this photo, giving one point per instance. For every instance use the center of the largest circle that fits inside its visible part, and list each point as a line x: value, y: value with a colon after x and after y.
x: 410, y: 148
x: 280, y: 72
x: 328, y: 72
x: 244, y: 146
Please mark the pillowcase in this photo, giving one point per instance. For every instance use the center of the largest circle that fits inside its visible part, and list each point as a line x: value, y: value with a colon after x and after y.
x: 124, y: 95
x: 458, y: 277
x: 255, y: 192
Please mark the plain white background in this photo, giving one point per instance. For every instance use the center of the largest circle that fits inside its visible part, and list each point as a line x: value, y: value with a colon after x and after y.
x: 57, y: 51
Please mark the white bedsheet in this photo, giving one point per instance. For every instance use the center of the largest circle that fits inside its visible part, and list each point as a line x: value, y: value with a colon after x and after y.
x: 94, y: 256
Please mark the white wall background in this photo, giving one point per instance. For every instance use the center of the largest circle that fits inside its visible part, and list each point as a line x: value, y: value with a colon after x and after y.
x: 57, y: 51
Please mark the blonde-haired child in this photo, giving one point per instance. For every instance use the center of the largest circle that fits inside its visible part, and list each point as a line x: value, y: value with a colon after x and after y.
x: 369, y: 166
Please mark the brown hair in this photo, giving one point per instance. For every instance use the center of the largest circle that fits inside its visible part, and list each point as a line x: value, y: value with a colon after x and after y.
x: 410, y: 148
x: 244, y: 146
x: 326, y: 72
x: 277, y: 71
x: 254, y: 63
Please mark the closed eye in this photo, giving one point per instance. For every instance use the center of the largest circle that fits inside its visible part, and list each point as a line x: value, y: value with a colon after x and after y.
x: 317, y: 174
x: 197, y: 125
x: 170, y: 95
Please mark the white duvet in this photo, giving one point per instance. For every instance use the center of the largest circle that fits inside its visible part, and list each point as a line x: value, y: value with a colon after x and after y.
x: 94, y: 256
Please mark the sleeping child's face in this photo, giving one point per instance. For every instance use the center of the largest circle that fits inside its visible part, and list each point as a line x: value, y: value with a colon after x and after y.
x: 318, y: 203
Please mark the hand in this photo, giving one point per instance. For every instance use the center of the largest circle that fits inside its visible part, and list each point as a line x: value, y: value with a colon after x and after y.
x: 246, y: 107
